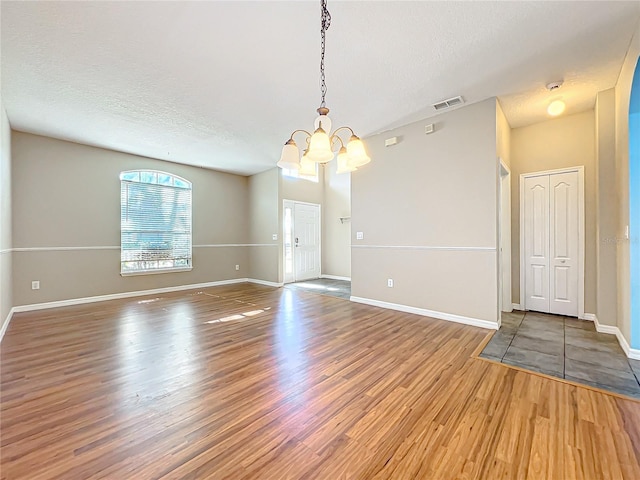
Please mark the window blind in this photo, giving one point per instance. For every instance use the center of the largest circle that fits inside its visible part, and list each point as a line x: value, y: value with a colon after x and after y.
x: 155, y: 226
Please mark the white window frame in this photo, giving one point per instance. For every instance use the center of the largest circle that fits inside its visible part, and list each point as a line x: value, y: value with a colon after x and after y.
x: 185, y: 185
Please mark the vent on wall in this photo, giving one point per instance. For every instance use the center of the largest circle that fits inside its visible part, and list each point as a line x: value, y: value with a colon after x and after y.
x: 451, y: 102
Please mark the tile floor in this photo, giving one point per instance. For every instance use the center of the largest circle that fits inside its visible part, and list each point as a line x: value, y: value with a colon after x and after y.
x: 325, y: 286
x: 566, y: 348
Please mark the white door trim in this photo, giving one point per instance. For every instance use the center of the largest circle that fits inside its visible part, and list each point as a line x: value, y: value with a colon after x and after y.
x: 581, y: 233
x: 292, y: 203
x: 504, y: 248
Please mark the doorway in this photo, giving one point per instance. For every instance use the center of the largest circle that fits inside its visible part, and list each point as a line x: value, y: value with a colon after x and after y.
x: 552, y: 241
x: 504, y: 234
x: 301, y: 223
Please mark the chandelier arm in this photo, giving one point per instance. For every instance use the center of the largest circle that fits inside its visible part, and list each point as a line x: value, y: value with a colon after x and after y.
x: 342, y: 128
x: 335, y: 137
x: 300, y: 131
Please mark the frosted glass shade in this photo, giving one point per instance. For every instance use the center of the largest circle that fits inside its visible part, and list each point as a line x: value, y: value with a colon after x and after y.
x: 357, y: 154
x: 555, y: 108
x: 290, y: 157
x: 320, y: 147
x: 344, y: 165
x: 307, y: 167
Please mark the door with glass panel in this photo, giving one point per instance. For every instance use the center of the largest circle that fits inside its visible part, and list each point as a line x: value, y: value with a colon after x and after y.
x: 301, y: 241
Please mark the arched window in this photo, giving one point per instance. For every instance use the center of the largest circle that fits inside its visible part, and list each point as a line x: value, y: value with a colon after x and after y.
x: 155, y: 222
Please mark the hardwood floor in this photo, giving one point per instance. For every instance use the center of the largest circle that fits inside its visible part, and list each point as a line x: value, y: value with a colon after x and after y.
x: 303, y: 386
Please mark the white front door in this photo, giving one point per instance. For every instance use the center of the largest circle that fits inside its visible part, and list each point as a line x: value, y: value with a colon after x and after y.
x: 550, y: 229
x: 306, y: 241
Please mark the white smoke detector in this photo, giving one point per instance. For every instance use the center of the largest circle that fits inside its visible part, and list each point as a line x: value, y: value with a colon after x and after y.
x: 554, y: 85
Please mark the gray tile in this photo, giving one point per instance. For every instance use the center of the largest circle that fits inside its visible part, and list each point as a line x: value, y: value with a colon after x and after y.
x: 592, y: 341
x: 580, y: 324
x: 541, y: 334
x: 498, y: 345
x: 508, y: 329
x: 635, y: 365
x: 598, y: 359
x: 533, y: 368
x: 490, y: 357
x: 614, y: 379
x: 543, y: 324
x: 538, y: 361
x: 512, y: 319
x: 554, y: 347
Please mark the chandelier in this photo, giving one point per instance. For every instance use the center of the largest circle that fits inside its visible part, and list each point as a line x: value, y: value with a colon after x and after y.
x: 322, y: 144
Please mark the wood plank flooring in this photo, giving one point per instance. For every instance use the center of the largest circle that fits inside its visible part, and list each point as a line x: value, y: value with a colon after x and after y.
x: 302, y: 386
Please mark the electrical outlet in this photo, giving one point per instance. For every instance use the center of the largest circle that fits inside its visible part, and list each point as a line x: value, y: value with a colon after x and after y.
x: 35, y: 285
x: 237, y: 267
x: 390, y: 282
x: 274, y: 236
x: 359, y: 235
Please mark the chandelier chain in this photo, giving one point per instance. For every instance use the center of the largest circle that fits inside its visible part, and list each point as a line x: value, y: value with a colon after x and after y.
x: 325, y: 21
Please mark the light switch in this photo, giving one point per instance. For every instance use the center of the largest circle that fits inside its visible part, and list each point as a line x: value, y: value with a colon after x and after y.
x: 359, y: 235
x: 274, y: 236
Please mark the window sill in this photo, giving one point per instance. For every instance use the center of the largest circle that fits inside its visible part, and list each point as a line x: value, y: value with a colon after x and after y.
x: 155, y: 271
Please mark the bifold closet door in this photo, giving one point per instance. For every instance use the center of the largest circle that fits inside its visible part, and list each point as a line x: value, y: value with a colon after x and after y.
x: 536, y: 242
x: 563, y: 246
x: 551, y: 243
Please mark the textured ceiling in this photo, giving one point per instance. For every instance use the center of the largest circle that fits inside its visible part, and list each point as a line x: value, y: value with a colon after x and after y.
x: 222, y: 84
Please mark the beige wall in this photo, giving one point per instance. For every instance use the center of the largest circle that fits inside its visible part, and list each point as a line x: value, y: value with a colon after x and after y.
x: 606, y: 213
x: 6, y: 296
x: 567, y: 141
x: 427, y: 208
x: 68, y: 195
x: 622, y: 97
x: 503, y: 140
x: 336, y: 237
x: 263, y: 224
x: 301, y: 190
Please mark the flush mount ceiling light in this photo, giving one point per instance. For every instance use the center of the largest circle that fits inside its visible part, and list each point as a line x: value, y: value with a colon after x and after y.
x: 556, y: 107
x: 321, y: 145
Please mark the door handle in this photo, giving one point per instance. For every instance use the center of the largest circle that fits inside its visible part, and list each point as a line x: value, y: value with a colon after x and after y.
x: 297, y: 242
x: 563, y: 261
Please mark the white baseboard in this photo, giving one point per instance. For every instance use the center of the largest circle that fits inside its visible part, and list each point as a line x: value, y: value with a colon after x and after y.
x: 517, y: 306
x: 116, y: 296
x: 632, y: 353
x: 264, y: 282
x: 336, y: 277
x: 5, y: 324
x: 475, y: 322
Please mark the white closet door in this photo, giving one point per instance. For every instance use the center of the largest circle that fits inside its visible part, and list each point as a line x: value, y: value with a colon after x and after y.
x: 536, y: 242
x: 563, y: 248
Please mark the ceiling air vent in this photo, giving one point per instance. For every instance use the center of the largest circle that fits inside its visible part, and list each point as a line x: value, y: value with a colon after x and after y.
x: 451, y: 102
